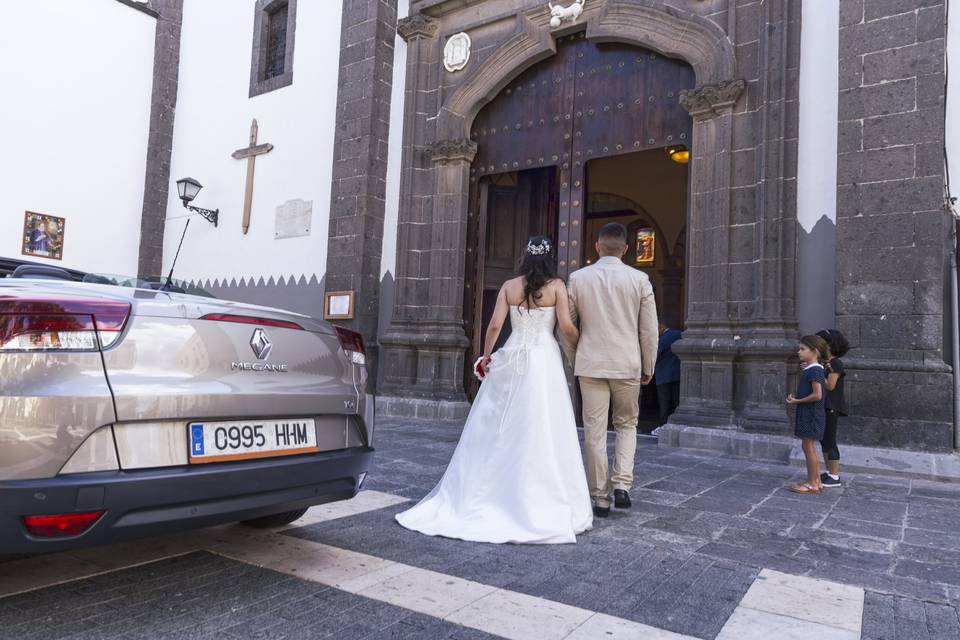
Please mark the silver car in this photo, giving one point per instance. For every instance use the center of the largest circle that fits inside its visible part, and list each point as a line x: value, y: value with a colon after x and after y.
x: 129, y: 412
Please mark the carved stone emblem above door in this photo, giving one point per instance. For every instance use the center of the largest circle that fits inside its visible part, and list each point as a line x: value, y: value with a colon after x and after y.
x: 560, y: 13
x: 456, y: 53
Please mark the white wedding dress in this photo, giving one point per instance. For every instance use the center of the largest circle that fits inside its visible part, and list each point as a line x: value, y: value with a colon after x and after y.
x: 517, y: 473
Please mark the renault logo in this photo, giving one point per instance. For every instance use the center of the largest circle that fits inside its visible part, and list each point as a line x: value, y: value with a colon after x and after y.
x: 260, y: 344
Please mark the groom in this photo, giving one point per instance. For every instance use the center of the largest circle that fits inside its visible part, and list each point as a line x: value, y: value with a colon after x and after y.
x: 614, y: 357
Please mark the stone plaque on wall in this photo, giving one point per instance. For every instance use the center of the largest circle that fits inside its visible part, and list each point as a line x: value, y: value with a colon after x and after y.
x: 294, y: 218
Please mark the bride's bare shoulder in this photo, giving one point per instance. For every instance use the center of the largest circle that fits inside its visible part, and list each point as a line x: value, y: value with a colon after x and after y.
x: 513, y: 289
x: 513, y: 284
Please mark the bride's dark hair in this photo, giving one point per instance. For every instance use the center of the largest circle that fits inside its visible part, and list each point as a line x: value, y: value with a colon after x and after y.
x: 538, y: 267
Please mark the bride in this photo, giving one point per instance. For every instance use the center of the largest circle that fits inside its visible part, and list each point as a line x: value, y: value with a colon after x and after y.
x: 517, y: 473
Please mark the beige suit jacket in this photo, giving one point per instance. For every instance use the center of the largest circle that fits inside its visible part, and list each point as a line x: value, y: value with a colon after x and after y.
x: 615, y: 306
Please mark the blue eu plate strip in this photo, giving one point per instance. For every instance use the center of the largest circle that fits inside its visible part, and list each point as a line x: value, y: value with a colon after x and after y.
x: 196, y: 439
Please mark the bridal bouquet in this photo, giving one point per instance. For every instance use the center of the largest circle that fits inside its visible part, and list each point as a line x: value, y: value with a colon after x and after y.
x: 480, y: 370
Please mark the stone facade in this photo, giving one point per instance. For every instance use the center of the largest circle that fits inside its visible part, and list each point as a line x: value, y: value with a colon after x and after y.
x: 738, y: 352
x: 166, y: 67
x: 358, y: 193
x: 741, y: 322
x: 893, y: 233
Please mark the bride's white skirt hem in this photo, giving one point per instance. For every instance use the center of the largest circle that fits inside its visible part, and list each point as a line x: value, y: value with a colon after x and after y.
x: 485, y: 536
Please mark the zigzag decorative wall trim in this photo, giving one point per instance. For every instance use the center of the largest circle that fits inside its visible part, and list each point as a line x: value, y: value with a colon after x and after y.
x: 294, y: 293
x: 302, y: 294
x: 282, y: 281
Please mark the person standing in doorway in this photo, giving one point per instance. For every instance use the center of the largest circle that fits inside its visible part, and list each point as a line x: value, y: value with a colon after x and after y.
x: 615, y: 306
x: 836, y: 405
x: 667, y: 373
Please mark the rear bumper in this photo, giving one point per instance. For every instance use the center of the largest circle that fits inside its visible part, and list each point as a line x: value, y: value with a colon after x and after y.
x: 155, y: 501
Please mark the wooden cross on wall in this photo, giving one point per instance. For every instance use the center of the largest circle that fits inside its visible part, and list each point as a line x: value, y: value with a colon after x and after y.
x: 250, y: 153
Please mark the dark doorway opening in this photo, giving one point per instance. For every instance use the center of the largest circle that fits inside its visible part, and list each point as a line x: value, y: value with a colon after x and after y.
x: 647, y: 193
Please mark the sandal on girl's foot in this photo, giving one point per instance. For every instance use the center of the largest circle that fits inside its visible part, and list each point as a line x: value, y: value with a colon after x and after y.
x: 805, y: 488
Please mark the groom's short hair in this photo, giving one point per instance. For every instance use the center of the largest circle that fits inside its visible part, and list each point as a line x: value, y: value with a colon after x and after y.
x: 613, y: 237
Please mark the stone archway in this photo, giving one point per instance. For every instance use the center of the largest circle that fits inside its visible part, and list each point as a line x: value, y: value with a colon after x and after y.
x: 424, y: 349
x: 645, y: 23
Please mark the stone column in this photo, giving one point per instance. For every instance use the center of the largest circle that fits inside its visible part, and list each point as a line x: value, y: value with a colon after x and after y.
x: 709, y: 346
x: 423, y: 351
x: 738, y: 359
x: 358, y: 191
x: 765, y: 309
x: 426, y: 355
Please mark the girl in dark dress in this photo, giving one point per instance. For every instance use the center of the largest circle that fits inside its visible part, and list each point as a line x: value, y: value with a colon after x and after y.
x: 809, y: 401
x: 836, y: 404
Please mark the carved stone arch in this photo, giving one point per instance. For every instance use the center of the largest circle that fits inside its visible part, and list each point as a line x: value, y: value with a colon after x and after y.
x: 645, y: 23
x: 648, y: 218
x: 670, y: 31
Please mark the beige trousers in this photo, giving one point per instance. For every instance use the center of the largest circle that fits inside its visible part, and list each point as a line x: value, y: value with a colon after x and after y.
x: 597, y: 395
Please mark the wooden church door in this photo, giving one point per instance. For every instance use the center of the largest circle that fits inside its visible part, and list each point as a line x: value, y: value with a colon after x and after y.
x: 514, y: 206
x: 534, y: 140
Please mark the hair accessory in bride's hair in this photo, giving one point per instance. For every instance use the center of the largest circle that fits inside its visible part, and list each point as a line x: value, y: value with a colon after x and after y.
x: 538, y: 249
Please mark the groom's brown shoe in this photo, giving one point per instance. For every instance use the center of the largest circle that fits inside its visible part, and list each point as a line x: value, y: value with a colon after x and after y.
x: 621, y: 499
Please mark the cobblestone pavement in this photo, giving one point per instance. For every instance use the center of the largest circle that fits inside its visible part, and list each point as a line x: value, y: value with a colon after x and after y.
x: 700, y: 528
x: 712, y: 548
x: 205, y: 595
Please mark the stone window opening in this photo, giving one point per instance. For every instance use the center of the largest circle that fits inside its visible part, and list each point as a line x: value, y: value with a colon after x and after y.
x: 274, y: 28
x: 276, y: 41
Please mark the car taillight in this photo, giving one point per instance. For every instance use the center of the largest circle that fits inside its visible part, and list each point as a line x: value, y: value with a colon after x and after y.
x: 263, y: 322
x: 66, y: 525
x: 60, y: 324
x: 352, y: 344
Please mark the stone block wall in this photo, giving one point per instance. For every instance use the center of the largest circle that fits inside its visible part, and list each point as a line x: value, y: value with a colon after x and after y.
x: 893, y: 233
x: 358, y: 192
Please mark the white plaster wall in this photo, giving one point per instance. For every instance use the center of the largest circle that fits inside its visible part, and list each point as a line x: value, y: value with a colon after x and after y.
x: 213, y: 120
x: 819, y: 98
x: 76, y: 78
x: 388, y: 262
x: 817, y: 164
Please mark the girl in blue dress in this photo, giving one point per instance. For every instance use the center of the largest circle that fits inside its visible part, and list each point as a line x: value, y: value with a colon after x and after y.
x: 811, y: 418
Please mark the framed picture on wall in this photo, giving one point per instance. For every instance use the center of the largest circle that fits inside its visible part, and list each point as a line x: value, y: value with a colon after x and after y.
x: 646, y: 247
x: 338, y: 305
x: 43, y: 235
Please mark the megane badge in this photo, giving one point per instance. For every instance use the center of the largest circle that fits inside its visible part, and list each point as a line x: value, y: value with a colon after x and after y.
x: 262, y: 347
x: 260, y: 344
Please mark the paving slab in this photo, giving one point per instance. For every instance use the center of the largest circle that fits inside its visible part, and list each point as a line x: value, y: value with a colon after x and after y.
x: 521, y: 617
x: 750, y: 624
x: 603, y: 626
x: 806, y: 599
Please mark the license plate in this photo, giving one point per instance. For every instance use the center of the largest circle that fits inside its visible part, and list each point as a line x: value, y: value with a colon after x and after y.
x: 241, y: 440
